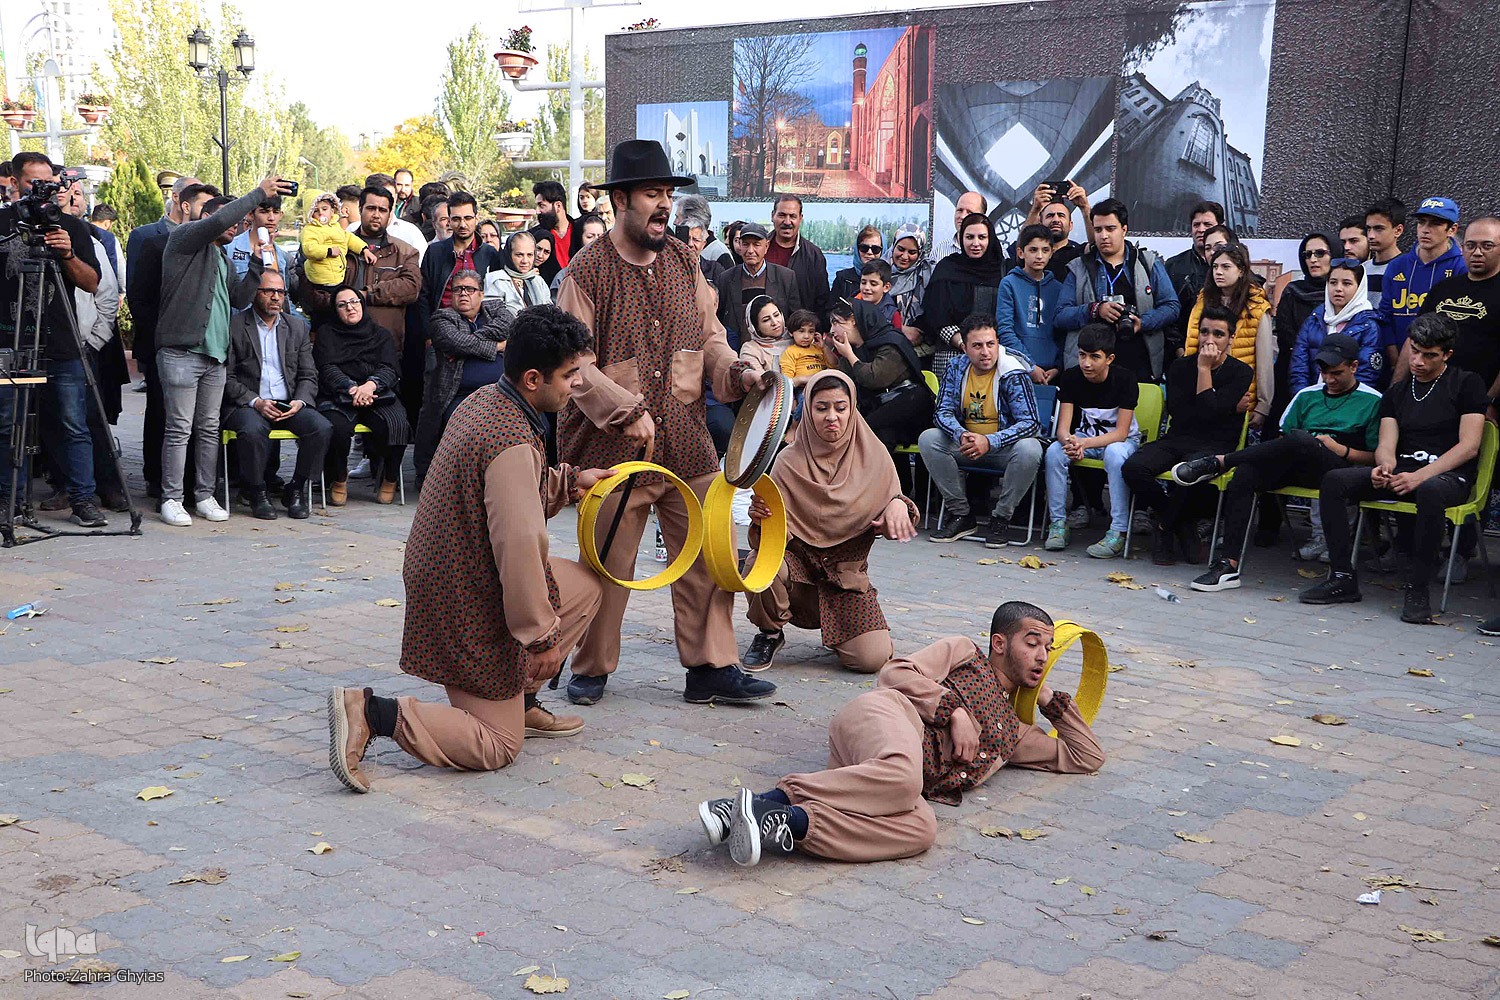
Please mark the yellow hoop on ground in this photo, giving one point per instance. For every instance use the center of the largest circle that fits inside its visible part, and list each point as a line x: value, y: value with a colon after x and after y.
x: 721, y: 547
x: 593, y: 502
x: 1090, y: 694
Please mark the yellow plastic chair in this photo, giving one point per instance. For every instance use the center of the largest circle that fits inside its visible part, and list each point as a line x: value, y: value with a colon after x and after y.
x: 1147, y: 416
x: 400, y: 473
x: 277, y: 434
x: 1220, y: 482
x: 1489, y: 444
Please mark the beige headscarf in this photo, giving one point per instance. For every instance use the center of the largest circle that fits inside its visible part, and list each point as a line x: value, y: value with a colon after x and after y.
x: 834, y: 489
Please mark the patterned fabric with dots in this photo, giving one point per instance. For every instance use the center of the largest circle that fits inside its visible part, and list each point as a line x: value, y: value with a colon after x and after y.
x: 971, y: 685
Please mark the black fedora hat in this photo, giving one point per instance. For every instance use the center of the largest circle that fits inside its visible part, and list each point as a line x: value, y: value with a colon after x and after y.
x: 638, y: 161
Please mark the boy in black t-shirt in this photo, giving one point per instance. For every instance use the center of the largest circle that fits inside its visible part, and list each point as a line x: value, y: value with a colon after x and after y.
x: 1431, y: 423
x: 1096, y: 419
x: 1208, y: 393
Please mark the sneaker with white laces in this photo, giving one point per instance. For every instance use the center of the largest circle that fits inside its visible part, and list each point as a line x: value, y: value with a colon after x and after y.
x: 758, y: 826
x: 208, y: 508
x: 173, y: 513
x: 716, y: 815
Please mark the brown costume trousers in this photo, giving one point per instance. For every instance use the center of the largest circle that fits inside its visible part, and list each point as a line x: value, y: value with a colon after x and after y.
x: 784, y: 601
x: 700, y: 611
x: 868, y: 805
x: 479, y: 734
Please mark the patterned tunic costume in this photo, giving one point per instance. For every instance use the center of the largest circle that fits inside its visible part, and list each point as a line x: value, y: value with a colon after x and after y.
x: 656, y: 338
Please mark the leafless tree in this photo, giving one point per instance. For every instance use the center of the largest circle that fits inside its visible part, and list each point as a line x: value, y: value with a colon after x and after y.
x: 768, y: 70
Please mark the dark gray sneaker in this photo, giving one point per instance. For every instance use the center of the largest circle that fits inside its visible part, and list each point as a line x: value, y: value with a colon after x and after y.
x: 586, y: 690
x: 1199, y: 470
x: 716, y: 815
x: 729, y: 685
x: 758, y: 826
x: 1339, y: 588
x: 958, y: 527
x: 87, y: 515
x: 762, y: 651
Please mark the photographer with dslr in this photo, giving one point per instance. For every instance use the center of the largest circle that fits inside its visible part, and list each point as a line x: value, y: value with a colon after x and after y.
x: 35, y: 227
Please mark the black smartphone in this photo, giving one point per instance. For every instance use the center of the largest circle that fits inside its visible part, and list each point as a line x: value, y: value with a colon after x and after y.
x: 290, y: 188
x: 283, y: 407
x: 1060, y: 189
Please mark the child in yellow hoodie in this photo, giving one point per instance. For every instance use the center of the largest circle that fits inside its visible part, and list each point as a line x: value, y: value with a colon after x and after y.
x: 325, y: 243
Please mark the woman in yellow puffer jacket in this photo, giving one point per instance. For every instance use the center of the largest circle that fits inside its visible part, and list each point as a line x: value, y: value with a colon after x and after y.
x: 1231, y: 285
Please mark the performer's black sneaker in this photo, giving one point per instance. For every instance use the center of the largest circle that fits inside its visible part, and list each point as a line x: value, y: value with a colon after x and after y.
x: 758, y: 826
x: 1199, y: 470
x: 1417, y: 608
x: 763, y: 650
x: 1339, y: 588
x: 586, y: 690
x: 730, y: 685
x: 716, y: 815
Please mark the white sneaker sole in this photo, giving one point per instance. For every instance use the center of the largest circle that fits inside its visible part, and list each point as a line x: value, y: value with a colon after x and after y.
x: 338, y: 735
x: 744, y: 834
x: 713, y: 827
x: 1214, y: 588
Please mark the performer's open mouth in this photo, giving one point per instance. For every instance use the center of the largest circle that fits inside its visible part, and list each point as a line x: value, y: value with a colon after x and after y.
x: 657, y: 226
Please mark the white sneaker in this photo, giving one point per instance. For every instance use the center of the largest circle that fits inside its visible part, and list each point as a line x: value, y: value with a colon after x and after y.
x: 172, y: 513
x: 361, y: 471
x: 209, y: 509
x: 1314, y: 551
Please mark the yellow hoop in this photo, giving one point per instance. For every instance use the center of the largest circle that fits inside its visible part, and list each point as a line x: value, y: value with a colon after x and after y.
x: 1090, y: 694
x: 593, y: 502
x: 721, y: 547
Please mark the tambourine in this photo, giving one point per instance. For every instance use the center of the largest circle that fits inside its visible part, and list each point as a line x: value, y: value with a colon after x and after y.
x: 710, y: 531
x: 1090, y: 694
x: 758, y: 430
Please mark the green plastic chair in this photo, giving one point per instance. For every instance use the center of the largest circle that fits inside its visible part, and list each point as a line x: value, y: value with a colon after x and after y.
x: 1489, y: 444
x: 911, y: 451
x: 276, y: 435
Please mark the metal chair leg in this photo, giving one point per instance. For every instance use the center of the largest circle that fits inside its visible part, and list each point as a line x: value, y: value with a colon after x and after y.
x: 1213, y: 536
x: 224, y: 453
x: 1245, y: 541
x: 1130, y: 527
x: 1359, y: 529
x: 1452, y: 560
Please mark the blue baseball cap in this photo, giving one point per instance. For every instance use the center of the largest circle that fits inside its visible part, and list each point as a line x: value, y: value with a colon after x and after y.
x: 1438, y: 208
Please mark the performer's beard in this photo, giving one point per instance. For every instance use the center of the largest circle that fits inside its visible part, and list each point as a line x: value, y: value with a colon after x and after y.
x: 641, y: 233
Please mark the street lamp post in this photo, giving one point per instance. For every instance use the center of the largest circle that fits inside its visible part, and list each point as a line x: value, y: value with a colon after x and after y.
x: 317, y: 181
x: 200, y: 59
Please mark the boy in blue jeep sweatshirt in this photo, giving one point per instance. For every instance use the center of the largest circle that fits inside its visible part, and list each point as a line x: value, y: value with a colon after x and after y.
x: 1411, y: 276
x: 1027, y: 304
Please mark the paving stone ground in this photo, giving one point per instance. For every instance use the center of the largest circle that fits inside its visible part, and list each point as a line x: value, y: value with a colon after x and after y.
x: 200, y: 659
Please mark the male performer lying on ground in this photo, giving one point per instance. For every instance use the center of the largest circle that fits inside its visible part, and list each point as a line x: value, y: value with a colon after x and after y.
x: 938, y: 723
x: 488, y: 614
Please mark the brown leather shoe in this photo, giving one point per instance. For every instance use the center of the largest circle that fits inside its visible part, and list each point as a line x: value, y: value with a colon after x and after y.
x: 542, y: 723
x: 338, y: 493
x: 387, y: 493
x: 348, y: 736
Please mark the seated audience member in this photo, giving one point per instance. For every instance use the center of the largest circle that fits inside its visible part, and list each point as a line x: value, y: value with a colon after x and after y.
x: 468, y: 352
x: 1346, y: 310
x: 1329, y: 426
x: 358, y: 373
x: 804, y: 357
x: 272, y: 384
x: 962, y: 283
x: 1230, y: 287
x: 875, y: 288
x: 517, y: 283
x: 546, y: 256
x: 1027, y: 305
x: 938, y: 724
x: 1095, y: 419
x: 893, y: 397
x: 753, y: 276
x: 767, y: 332
x: 1207, y: 394
x: 841, y: 492
x: 910, y: 272
x: 488, y: 233
x: 867, y: 247
x: 986, y: 417
x: 1431, y: 424
x: 1116, y: 281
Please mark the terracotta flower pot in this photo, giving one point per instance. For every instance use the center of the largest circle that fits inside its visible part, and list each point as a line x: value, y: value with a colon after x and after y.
x: 93, y: 114
x: 514, y: 64
x: 18, y: 119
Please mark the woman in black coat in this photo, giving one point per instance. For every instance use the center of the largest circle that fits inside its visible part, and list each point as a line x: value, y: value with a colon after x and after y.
x: 962, y: 283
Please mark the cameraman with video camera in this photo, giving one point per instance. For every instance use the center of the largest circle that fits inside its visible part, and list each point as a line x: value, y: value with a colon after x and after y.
x: 34, y: 226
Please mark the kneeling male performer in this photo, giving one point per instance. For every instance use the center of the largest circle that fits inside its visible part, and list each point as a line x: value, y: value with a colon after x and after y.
x: 938, y: 723
x: 489, y: 615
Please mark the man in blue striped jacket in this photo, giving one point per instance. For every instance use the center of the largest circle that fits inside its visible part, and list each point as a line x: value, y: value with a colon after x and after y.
x: 986, y: 417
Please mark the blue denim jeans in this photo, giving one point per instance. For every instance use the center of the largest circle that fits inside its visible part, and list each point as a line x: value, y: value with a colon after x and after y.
x: 1114, y: 455
x: 62, y: 423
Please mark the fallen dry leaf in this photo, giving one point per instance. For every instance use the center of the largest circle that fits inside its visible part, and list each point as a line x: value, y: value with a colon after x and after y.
x: 285, y: 586
x: 291, y: 628
x: 1492, y: 940
x: 1193, y: 838
x: 636, y: 780
x: 527, y: 970
x: 321, y: 847
x: 1114, y: 668
x: 231, y: 664
x: 996, y: 831
x: 1419, y: 671
x: 690, y: 890
x: 538, y: 983
x: 209, y: 876
x: 1249, y: 621
x: 676, y: 995
x: 1419, y: 934
x: 1310, y: 574
x: 1329, y: 719
x: 1031, y: 562
x: 1285, y: 741
x: 1029, y: 834
x: 153, y: 792
x: 1124, y: 580
x: 1061, y: 881
x: 233, y: 958
x: 220, y: 600
x: 160, y: 659
x: 391, y: 602
x: 1158, y: 935
x: 1176, y: 812
x: 974, y: 920
x: 9, y: 819
x: 987, y: 562
x: 290, y: 956
x: 1360, y: 816
x: 1087, y: 890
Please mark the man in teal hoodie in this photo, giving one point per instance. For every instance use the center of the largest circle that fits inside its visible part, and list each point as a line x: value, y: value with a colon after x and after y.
x: 1026, y: 305
x: 1411, y: 276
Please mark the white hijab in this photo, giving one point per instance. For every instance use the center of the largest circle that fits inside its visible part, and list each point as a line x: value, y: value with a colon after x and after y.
x: 1359, y: 303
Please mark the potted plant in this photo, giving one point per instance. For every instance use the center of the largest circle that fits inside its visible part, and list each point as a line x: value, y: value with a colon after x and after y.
x: 515, y: 56
x: 93, y: 108
x: 514, y: 137
x: 17, y: 112
x: 649, y: 24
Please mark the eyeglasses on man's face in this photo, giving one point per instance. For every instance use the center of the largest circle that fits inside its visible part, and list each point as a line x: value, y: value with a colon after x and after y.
x: 465, y: 290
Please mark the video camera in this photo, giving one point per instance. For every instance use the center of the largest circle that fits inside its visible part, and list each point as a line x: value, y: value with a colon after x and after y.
x: 38, y: 210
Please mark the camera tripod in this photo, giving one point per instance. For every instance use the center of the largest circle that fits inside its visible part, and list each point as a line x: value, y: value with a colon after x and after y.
x: 40, y: 278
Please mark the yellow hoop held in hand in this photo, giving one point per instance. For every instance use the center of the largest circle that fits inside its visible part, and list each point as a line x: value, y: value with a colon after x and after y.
x: 1090, y: 694
x: 593, y: 502
x: 721, y: 547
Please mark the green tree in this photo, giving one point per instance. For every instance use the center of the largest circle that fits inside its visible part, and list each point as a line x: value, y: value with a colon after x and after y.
x: 551, y: 141
x: 133, y: 193
x: 470, y: 106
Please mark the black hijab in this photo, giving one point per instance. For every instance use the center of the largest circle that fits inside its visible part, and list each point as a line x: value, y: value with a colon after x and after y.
x: 1299, y: 298
x: 549, y: 270
x: 356, y: 349
x: 987, y: 269
x: 953, y: 291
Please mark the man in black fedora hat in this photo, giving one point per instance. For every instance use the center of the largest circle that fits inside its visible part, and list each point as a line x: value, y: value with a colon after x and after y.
x: 656, y: 337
